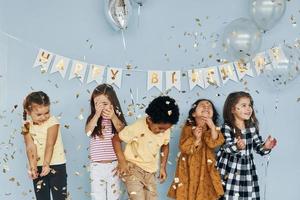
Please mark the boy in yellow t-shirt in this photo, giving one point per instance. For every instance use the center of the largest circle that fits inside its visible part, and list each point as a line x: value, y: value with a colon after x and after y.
x: 146, y: 140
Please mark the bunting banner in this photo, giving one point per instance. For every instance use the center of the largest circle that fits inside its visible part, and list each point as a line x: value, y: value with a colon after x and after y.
x: 96, y: 73
x: 43, y: 60
x: 173, y: 80
x: 202, y: 77
x: 60, y: 64
x: 114, y: 76
x: 78, y: 70
x: 211, y: 77
x: 195, y: 77
x: 155, y: 80
x: 243, y: 69
x: 228, y: 72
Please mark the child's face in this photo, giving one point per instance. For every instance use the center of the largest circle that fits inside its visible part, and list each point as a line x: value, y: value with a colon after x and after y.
x: 39, y: 113
x: 243, y: 109
x: 102, y: 101
x: 203, y: 109
x: 157, y: 128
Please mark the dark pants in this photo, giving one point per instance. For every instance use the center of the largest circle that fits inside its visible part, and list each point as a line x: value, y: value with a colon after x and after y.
x: 55, y: 181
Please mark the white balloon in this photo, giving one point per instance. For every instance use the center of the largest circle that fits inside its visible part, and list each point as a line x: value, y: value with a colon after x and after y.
x: 118, y: 13
x: 242, y: 39
x: 284, y: 70
x: 267, y: 13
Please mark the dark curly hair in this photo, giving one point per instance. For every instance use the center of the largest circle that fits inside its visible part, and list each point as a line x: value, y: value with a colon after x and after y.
x: 163, y: 109
x: 191, y: 120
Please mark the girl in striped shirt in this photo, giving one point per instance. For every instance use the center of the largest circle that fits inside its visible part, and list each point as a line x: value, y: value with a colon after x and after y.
x: 105, y: 120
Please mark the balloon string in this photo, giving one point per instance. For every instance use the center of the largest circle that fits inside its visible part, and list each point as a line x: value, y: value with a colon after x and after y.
x: 139, y: 13
x: 266, y: 174
x: 123, y: 38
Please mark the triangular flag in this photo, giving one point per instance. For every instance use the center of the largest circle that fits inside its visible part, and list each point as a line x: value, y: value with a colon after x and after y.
x: 261, y: 62
x: 154, y: 79
x: 277, y: 55
x: 114, y: 75
x: 227, y: 72
x: 173, y: 79
x: 96, y: 73
x: 211, y: 77
x: 60, y: 65
x: 243, y: 69
x: 78, y: 70
x: 43, y: 60
x: 195, y: 78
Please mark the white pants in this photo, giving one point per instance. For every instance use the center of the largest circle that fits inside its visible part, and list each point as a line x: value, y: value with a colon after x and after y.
x: 104, y: 185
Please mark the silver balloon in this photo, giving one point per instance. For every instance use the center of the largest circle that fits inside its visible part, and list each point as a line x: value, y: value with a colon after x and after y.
x: 266, y: 13
x: 118, y: 13
x: 283, y: 68
x: 242, y: 39
x: 139, y: 2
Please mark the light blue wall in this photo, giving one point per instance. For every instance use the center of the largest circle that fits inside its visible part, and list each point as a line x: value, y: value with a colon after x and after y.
x: 63, y: 26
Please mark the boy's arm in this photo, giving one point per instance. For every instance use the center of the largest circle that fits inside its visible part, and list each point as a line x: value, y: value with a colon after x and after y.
x: 163, y: 162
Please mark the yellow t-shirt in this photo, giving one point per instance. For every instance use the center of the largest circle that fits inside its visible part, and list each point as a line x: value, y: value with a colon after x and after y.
x: 39, y: 135
x: 143, y: 146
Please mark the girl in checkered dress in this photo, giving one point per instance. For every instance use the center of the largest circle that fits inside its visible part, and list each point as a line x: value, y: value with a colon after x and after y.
x: 235, y: 157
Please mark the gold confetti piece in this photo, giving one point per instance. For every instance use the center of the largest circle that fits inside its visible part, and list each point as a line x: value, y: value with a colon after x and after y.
x: 209, y: 161
x: 176, y: 180
x: 132, y: 192
x: 167, y: 102
x: 162, y: 154
x: 169, y: 112
x: 293, y: 21
x: 80, y: 117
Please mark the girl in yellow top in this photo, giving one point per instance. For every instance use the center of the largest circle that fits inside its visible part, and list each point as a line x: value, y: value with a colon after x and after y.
x: 196, y: 177
x: 44, y: 148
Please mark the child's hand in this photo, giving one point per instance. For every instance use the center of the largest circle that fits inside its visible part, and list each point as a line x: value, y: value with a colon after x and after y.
x: 122, y: 169
x: 209, y: 122
x: 240, y: 144
x: 270, y: 143
x: 99, y: 108
x: 197, y: 132
x: 162, y: 175
x: 45, y: 170
x: 33, y: 174
x: 108, y: 113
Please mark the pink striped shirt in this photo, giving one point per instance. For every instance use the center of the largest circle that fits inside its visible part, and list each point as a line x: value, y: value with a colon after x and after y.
x: 101, y: 148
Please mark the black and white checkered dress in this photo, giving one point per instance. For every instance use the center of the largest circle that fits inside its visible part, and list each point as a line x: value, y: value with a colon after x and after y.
x: 237, y: 167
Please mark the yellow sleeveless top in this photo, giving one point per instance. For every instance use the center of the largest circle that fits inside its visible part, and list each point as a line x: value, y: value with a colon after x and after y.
x: 39, y: 135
